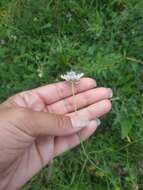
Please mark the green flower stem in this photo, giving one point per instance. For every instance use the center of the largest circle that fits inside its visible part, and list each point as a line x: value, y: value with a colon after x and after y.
x: 51, y: 164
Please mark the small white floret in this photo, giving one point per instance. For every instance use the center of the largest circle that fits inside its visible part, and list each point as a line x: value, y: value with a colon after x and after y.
x: 72, y: 76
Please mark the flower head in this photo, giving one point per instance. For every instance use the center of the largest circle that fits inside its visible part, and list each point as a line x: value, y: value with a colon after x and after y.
x: 72, y: 76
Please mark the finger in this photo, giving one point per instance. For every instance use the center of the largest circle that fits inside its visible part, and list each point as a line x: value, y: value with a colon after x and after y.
x: 57, y: 91
x: 36, y: 123
x: 95, y: 110
x: 63, y: 144
x: 83, y: 99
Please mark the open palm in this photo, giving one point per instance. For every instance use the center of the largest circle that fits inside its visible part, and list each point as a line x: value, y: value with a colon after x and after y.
x: 22, y: 154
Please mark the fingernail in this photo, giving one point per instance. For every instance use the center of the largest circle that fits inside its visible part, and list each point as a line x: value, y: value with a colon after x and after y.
x: 110, y: 93
x: 79, y: 121
x: 98, y: 122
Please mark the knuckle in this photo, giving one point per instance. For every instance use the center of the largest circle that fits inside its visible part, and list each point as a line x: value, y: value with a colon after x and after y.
x: 50, y: 108
x: 60, y: 90
x: 63, y: 122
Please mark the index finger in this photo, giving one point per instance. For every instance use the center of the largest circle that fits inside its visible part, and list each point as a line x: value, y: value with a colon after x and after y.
x: 57, y: 91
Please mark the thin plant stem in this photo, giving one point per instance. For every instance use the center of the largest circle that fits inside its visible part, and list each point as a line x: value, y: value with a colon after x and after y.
x: 117, y: 150
x: 134, y: 60
x: 115, y: 99
x: 76, y: 112
x: 51, y: 164
x: 81, y: 142
x: 42, y: 162
x: 74, y: 98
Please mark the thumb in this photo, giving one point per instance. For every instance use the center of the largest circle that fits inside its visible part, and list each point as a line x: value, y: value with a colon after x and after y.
x: 37, y: 123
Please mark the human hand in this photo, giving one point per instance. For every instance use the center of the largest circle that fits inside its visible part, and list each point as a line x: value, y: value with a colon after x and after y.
x: 40, y: 124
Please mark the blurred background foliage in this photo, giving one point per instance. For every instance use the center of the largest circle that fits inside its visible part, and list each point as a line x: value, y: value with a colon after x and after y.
x: 41, y: 39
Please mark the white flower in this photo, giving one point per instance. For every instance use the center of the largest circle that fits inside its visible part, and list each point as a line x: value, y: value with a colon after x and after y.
x: 14, y: 37
x: 69, y: 16
x: 40, y: 72
x: 72, y: 76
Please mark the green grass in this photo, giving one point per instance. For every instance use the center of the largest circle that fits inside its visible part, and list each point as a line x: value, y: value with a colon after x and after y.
x: 41, y: 39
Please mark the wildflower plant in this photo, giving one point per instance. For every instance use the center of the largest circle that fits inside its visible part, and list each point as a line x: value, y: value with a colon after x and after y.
x: 73, y: 78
